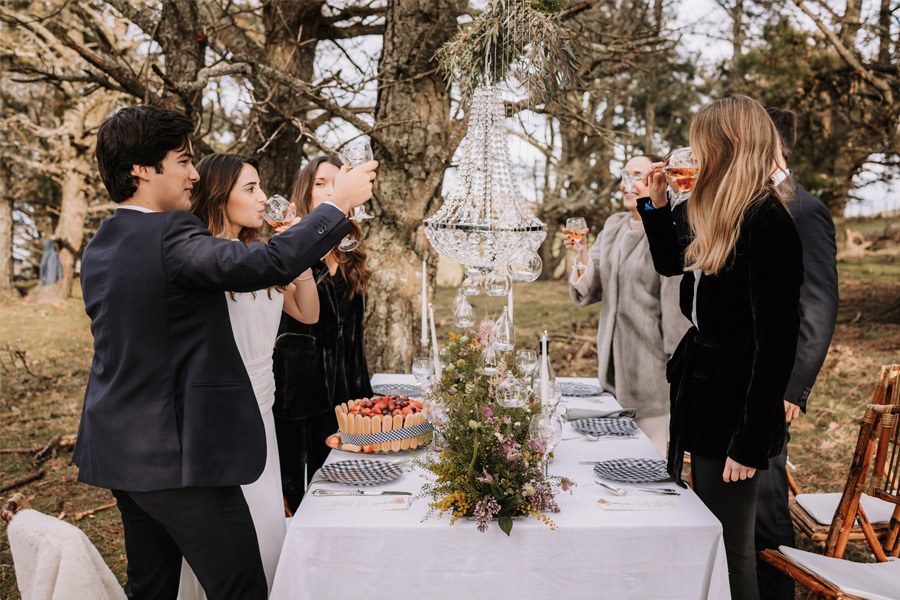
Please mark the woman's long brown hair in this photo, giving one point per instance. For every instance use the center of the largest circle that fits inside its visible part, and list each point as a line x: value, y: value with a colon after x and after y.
x: 218, y: 176
x: 736, y: 144
x: 352, y: 264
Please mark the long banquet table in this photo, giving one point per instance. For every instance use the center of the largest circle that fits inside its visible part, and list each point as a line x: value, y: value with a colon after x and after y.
x: 672, y: 553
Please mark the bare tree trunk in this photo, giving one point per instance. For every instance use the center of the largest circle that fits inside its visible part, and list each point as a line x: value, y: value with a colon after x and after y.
x: 414, y: 144
x: 6, y: 233
x: 737, y: 44
x: 292, y: 29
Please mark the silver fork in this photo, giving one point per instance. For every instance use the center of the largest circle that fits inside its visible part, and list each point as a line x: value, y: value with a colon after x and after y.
x: 622, y: 491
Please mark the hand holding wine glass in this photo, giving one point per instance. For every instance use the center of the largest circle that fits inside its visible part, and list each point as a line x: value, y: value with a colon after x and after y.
x: 279, y: 213
x: 683, y: 170
x: 575, y: 231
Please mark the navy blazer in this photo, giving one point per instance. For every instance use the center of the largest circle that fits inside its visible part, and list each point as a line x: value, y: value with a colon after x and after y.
x: 168, y: 402
x: 818, y: 294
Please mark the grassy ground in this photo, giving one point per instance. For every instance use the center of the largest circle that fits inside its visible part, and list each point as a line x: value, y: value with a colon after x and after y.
x: 42, y: 388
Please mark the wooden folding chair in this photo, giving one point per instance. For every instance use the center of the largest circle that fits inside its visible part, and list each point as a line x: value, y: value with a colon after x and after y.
x: 886, y: 392
x: 876, y: 471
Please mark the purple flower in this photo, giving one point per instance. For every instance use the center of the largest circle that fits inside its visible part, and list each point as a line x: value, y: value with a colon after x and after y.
x: 485, y: 510
x: 538, y: 446
x: 486, y: 478
x: 486, y: 412
x: 566, y: 484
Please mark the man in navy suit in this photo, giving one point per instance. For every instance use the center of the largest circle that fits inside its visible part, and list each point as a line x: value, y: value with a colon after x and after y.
x: 170, y: 423
x: 818, y: 311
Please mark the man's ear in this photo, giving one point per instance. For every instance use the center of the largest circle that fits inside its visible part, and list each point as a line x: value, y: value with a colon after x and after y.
x: 142, y: 172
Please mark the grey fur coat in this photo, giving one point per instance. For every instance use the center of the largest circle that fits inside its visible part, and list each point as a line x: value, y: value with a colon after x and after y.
x: 640, y: 319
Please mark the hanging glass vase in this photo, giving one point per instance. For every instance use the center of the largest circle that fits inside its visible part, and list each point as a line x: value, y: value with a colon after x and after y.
x: 497, y: 283
x: 525, y: 265
x: 464, y: 314
x: 503, y: 334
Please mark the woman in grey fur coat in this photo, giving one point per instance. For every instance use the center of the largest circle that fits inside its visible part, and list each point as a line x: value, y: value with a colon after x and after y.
x: 640, y: 320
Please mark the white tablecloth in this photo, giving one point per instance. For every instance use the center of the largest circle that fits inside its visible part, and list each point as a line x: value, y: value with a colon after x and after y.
x: 395, y: 555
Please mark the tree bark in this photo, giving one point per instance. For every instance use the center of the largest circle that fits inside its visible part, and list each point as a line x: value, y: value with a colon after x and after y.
x: 413, y: 117
x: 292, y: 31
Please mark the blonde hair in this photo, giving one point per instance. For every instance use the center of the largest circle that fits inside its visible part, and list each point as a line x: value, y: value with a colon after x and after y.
x: 736, y: 146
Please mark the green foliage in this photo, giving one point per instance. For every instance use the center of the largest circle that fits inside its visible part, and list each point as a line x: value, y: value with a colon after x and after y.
x: 511, y: 37
x: 488, y: 466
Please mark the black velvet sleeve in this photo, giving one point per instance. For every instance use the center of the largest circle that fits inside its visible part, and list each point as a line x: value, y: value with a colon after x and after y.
x: 775, y: 275
x: 666, y: 246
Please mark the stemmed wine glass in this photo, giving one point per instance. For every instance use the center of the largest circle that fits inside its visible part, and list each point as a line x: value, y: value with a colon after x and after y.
x: 526, y: 360
x: 683, y: 169
x: 423, y: 370
x: 355, y: 153
x: 278, y: 212
x: 546, y: 427
x: 576, y: 229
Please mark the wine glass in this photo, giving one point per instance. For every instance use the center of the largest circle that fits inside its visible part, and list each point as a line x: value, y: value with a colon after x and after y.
x: 628, y: 181
x: 423, y: 370
x: 279, y: 212
x: 576, y: 229
x: 683, y: 169
x: 355, y: 153
x: 547, y: 428
x: 526, y: 360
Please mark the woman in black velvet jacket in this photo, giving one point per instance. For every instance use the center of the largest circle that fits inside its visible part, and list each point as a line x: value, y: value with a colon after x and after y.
x: 321, y: 365
x: 739, y: 250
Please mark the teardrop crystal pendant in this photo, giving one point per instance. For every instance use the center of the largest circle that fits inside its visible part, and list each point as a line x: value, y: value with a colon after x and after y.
x: 464, y: 314
x: 471, y: 285
x: 525, y: 265
x: 504, y: 336
x: 497, y: 283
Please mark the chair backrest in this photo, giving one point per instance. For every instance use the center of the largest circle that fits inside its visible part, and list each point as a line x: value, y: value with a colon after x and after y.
x: 874, y: 470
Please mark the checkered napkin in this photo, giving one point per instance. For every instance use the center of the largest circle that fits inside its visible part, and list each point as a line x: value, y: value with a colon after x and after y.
x: 573, y: 414
x: 574, y: 389
x: 632, y: 470
x: 605, y: 426
x: 360, y: 472
x: 397, y: 389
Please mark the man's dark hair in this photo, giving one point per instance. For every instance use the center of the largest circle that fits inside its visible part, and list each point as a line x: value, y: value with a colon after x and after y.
x: 786, y: 124
x: 137, y: 135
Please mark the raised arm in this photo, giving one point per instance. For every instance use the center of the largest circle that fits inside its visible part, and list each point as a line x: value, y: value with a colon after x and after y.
x: 194, y: 259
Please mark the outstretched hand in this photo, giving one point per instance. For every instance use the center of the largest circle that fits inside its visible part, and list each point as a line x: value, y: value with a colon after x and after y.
x: 353, y: 186
x: 655, y: 180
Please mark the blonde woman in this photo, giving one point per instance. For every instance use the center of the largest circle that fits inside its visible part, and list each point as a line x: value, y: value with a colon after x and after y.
x: 743, y: 269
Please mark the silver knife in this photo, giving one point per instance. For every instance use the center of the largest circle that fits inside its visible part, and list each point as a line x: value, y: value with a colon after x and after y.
x: 324, y: 492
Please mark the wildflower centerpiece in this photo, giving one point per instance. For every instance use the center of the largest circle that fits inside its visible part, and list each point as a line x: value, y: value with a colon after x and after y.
x: 489, y: 467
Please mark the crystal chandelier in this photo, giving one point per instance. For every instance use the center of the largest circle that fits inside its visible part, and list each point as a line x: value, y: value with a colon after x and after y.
x: 484, y: 222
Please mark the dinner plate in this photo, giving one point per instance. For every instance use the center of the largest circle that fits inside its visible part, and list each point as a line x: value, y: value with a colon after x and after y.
x: 575, y: 389
x: 605, y: 426
x: 632, y: 470
x: 397, y: 389
x: 361, y: 472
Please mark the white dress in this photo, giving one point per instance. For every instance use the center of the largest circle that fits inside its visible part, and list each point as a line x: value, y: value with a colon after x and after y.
x: 254, y: 320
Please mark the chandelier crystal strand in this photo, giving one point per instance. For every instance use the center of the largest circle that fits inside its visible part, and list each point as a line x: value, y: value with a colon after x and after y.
x: 484, y: 218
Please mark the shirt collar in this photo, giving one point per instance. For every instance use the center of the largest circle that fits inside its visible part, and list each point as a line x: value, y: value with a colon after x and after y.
x: 142, y: 209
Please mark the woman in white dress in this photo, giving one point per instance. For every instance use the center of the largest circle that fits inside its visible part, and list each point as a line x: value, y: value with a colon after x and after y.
x: 228, y: 199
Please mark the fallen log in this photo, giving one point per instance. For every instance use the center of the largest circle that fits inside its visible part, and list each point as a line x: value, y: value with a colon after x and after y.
x: 21, y: 481
x: 89, y: 513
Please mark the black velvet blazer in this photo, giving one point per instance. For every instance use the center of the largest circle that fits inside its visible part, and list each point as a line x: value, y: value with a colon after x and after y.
x: 321, y: 365
x: 729, y: 373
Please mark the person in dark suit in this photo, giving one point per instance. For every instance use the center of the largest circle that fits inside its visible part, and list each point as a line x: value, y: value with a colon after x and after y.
x: 170, y: 423
x: 818, y: 312
x: 729, y: 372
